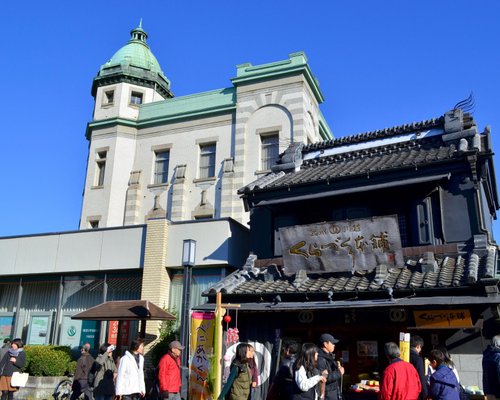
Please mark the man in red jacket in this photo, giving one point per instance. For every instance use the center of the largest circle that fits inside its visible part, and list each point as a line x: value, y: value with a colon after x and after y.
x: 400, y: 380
x: 169, y: 374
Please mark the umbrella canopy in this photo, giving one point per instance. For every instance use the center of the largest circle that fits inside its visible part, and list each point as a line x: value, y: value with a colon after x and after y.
x: 125, y: 310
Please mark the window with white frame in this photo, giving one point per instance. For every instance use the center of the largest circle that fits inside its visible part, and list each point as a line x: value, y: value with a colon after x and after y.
x: 136, y: 98
x: 162, y: 158
x: 100, y: 167
x: 269, y: 150
x: 207, y: 160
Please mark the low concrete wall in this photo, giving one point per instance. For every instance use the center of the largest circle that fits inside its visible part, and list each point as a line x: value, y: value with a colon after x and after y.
x: 39, y: 387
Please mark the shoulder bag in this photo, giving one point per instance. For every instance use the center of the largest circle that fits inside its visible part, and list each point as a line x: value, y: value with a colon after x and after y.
x: 19, y: 379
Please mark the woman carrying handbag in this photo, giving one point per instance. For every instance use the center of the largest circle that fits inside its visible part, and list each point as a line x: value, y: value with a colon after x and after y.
x: 13, y: 361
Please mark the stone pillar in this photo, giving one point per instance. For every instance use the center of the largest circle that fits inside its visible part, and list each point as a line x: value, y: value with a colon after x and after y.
x: 133, y: 200
x: 227, y: 189
x: 155, y: 279
x: 179, y: 194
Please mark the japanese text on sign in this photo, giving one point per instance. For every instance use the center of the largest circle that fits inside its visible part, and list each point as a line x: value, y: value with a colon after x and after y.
x: 443, y: 319
x: 342, y: 246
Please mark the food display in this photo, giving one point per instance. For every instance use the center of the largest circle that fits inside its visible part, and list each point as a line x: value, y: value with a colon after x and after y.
x: 366, y: 385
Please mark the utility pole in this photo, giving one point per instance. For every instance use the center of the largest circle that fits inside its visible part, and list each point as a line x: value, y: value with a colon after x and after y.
x: 220, y: 311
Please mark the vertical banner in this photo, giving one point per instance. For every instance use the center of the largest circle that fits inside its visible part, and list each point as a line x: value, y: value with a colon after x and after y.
x: 113, y: 332
x: 404, y: 346
x: 202, y: 351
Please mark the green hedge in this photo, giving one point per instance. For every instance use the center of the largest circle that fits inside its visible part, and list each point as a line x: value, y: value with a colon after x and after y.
x: 48, y: 360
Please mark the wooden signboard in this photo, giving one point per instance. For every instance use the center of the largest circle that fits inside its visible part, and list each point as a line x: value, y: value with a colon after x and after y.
x: 358, y: 244
x: 441, y: 319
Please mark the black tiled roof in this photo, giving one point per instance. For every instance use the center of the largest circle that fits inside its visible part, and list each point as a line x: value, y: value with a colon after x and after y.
x: 401, y: 147
x: 451, y: 271
x: 378, y: 134
x: 412, y: 155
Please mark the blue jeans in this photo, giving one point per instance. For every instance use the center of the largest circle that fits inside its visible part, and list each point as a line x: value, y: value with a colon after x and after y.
x: 103, y: 397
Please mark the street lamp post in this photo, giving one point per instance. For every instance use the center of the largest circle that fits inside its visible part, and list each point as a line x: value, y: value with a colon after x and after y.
x: 188, y: 261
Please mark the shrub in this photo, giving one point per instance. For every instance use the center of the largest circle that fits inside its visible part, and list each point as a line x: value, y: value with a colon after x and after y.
x: 168, y: 332
x: 47, y: 360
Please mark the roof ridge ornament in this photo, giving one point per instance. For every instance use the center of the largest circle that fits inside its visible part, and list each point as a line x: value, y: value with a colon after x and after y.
x: 290, y: 159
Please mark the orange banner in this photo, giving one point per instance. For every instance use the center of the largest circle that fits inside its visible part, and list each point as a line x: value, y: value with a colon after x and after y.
x: 202, y: 350
x: 113, y: 332
x: 439, y: 319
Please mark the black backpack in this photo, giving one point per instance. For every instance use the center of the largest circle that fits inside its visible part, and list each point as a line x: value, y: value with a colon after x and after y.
x: 92, y: 373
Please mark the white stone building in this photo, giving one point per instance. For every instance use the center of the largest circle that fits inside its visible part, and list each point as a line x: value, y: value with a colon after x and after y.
x: 161, y: 169
x: 191, y: 152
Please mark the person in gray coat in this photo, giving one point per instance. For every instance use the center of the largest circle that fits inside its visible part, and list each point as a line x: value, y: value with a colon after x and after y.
x: 105, y: 374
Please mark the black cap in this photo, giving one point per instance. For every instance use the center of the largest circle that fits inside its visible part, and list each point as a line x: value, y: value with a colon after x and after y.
x: 326, y: 337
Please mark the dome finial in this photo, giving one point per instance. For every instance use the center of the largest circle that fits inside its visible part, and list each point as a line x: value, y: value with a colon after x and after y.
x: 140, y: 23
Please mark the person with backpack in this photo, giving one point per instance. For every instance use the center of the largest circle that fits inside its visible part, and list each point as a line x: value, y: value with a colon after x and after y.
x: 239, y: 382
x: 83, y: 367
x: 104, y: 370
x: 282, y: 385
x: 169, y: 372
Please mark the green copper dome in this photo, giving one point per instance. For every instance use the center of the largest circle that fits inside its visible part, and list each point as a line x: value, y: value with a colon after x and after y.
x: 136, y: 52
x: 134, y: 63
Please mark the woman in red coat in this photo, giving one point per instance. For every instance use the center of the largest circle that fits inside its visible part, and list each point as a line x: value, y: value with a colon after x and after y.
x: 400, y: 380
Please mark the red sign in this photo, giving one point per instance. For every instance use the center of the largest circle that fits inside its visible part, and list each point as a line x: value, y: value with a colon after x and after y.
x: 113, y: 332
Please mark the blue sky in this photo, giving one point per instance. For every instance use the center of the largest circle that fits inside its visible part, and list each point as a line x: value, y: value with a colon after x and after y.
x: 379, y: 64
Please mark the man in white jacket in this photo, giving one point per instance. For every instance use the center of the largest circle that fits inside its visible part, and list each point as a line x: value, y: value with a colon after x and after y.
x: 130, y: 379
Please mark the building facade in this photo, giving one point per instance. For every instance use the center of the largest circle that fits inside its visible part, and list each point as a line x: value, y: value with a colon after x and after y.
x: 191, y: 153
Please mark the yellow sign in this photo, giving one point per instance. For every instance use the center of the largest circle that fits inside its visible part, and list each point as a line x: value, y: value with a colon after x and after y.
x: 202, y: 339
x: 439, y: 319
x: 404, y: 346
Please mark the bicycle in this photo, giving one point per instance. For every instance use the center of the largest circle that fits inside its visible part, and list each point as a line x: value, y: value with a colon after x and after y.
x: 64, y: 389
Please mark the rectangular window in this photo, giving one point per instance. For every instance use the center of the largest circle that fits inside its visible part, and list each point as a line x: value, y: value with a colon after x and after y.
x: 269, y: 151
x: 161, y: 167
x: 109, y: 97
x: 207, y: 160
x: 136, y: 98
x: 101, y: 167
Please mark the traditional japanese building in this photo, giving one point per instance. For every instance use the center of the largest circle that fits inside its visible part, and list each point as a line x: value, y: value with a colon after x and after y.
x: 370, y: 235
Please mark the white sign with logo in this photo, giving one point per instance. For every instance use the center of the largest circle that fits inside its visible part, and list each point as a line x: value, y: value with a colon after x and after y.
x: 71, y: 330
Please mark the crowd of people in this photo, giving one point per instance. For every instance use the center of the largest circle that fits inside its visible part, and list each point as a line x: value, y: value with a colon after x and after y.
x: 315, y: 374
x: 105, y: 378
x: 311, y: 374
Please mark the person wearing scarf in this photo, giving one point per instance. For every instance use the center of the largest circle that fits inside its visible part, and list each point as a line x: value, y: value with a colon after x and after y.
x: 12, y: 361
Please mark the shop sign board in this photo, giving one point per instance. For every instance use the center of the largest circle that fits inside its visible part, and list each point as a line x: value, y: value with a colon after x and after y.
x: 90, y: 333
x: 358, y: 244
x: 440, y: 319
